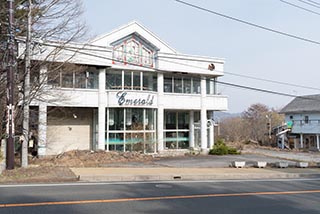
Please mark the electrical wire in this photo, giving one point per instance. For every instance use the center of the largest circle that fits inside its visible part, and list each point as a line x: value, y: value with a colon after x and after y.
x: 220, y: 82
x: 250, y: 23
x: 198, y: 67
x: 249, y: 77
x: 302, y: 8
x: 314, y: 2
x: 308, y: 3
x: 77, y: 50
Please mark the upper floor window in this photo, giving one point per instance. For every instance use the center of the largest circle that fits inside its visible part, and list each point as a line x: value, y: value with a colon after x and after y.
x: 74, y: 77
x: 211, y: 86
x: 131, y: 80
x: 133, y: 50
x: 179, y: 84
x: 306, y: 119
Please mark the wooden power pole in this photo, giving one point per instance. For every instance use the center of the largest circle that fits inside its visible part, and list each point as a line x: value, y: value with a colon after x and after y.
x: 11, y: 63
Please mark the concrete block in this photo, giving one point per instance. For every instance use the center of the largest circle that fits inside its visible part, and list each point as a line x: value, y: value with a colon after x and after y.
x: 239, y: 164
x: 261, y: 164
x: 302, y: 164
x: 282, y: 164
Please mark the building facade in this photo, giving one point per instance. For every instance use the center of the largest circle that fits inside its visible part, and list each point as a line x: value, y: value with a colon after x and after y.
x: 302, y: 116
x: 136, y: 93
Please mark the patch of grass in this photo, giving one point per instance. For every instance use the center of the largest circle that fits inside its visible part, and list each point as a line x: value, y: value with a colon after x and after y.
x: 220, y: 148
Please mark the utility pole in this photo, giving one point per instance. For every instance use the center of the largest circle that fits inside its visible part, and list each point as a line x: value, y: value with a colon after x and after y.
x: 26, y: 94
x: 11, y: 63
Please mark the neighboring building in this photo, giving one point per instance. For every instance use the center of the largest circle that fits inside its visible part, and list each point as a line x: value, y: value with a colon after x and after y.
x: 137, y: 94
x: 302, y: 116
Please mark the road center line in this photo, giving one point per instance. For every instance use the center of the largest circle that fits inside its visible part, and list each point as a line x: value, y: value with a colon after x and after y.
x: 157, y: 198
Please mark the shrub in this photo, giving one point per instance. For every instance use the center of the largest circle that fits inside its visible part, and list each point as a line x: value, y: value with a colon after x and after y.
x: 220, y: 148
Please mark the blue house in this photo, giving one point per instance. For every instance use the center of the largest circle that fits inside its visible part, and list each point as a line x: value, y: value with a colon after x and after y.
x: 302, y: 116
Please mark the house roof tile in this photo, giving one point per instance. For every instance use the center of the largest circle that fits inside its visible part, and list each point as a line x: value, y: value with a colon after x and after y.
x: 309, y: 103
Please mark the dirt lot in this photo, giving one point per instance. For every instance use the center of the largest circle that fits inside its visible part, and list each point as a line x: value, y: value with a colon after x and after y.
x: 56, y: 168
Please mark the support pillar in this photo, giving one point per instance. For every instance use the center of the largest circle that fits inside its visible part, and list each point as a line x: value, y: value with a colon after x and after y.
x: 203, y: 117
x: 160, y: 119
x: 301, y: 141
x: 211, y: 131
x: 102, y: 110
x: 318, y: 142
x: 191, y: 129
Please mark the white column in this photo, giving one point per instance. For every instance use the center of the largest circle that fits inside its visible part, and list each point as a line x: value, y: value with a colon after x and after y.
x: 42, y: 129
x: 160, y: 118
x: 211, y: 131
x: 191, y: 129
x: 203, y: 135
x: 102, y: 109
x: 301, y: 140
x: 318, y: 142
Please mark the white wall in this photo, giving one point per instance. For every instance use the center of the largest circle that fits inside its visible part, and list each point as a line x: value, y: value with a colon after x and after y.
x: 70, y: 129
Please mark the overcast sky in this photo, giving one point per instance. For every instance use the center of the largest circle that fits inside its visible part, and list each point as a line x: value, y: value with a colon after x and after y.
x: 247, y: 50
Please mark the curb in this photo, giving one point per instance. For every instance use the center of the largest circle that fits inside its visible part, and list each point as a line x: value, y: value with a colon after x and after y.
x: 114, y: 178
x: 41, y: 180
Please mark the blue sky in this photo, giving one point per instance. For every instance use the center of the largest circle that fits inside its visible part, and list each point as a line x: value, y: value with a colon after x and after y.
x: 247, y: 50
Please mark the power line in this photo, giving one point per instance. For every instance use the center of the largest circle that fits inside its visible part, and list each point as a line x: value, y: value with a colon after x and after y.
x: 308, y: 3
x: 250, y: 23
x: 302, y: 8
x: 257, y: 89
x: 102, y: 49
x: 155, y: 69
x: 77, y: 50
x: 249, y: 77
x: 317, y: 3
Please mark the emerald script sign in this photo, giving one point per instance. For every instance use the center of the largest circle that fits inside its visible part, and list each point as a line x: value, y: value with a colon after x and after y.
x: 124, y: 99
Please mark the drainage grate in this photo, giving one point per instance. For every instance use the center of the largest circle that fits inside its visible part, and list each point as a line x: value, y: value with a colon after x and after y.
x: 177, y: 177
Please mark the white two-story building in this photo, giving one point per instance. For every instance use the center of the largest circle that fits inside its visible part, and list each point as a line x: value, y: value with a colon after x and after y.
x: 136, y: 94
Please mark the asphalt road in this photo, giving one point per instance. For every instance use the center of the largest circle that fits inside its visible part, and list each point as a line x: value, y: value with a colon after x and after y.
x: 247, y: 197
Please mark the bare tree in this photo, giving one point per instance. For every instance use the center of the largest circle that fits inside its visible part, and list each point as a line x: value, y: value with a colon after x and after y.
x: 55, y: 22
x: 231, y: 129
x: 252, y: 125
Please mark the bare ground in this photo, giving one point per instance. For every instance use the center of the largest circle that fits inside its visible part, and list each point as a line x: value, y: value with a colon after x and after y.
x: 56, y: 168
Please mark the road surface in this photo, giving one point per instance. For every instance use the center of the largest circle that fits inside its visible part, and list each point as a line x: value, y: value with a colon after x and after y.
x: 240, y: 197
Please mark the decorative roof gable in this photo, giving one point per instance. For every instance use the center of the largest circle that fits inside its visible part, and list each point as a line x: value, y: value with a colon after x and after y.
x: 133, y: 28
x: 133, y: 49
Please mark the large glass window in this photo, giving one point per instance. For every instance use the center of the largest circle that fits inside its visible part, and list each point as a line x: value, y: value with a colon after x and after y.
x: 67, y: 80
x: 116, y: 119
x: 134, y: 119
x: 181, y: 84
x: 131, y: 129
x: 114, y: 80
x: 81, y: 77
x: 168, y: 84
x: 149, y: 81
x: 127, y: 81
x: 80, y: 80
x: 187, y: 85
x: 149, y: 121
x: 211, y: 86
x: 196, y: 86
x: 92, y: 78
x: 132, y: 80
x: 178, y: 85
x: 136, y: 81
x: 54, y: 78
x: 177, y: 130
